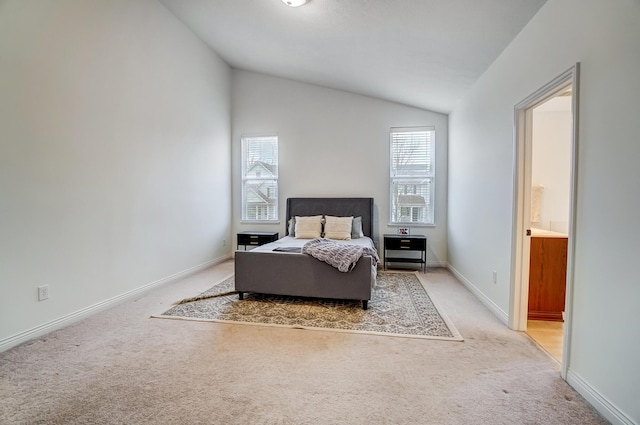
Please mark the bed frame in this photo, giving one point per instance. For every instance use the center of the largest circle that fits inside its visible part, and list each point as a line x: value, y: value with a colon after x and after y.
x: 294, y: 274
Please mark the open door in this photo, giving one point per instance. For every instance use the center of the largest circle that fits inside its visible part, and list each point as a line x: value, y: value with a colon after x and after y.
x: 522, y: 207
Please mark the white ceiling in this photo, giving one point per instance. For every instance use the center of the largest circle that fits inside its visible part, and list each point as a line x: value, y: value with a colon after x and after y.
x: 424, y: 53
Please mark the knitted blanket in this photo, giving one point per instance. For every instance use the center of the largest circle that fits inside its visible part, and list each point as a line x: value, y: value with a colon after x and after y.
x: 341, y: 256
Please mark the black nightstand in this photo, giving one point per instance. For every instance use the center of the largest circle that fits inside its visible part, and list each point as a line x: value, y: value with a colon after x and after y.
x: 256, y: 238
x: 406, y: 243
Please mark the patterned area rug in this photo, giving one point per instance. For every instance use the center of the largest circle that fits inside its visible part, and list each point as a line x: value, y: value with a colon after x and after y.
x: 400, y: 306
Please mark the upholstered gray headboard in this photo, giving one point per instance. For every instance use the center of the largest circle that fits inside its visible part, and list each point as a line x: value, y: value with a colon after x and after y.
x: 340, y: 207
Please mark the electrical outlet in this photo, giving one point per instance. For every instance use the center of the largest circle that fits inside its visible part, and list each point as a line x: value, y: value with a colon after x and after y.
x: 494, y: 277
x: 43, y: 292
x: 224, y: 242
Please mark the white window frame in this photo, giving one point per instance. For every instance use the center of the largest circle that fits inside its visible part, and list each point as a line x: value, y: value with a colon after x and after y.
x: 267, y: 214
x: 413, y: 178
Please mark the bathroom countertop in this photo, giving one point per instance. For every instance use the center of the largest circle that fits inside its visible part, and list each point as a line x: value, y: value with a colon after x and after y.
x: 541, y: 233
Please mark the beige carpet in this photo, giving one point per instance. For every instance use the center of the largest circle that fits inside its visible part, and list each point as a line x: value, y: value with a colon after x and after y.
x: 400, y: 307
x: 121, y: 367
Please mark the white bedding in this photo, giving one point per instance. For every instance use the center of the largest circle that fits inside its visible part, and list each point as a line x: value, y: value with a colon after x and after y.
x: 290, y: 241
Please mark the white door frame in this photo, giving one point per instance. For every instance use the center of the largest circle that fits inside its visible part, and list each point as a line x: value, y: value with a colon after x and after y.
x: 520, y: 251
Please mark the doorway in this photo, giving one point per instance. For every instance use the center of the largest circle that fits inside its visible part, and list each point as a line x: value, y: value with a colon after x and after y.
x: 544, y: 212
x: 550, y: 183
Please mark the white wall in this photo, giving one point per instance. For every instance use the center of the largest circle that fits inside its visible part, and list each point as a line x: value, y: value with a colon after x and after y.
x: 114, y: 155
x: 603, y: 37
x: 332, y: 144
x: 551, y: 162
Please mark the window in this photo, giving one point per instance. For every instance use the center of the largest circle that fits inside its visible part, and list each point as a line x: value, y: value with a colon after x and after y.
x: 260, y: 178
x: 412, y: 175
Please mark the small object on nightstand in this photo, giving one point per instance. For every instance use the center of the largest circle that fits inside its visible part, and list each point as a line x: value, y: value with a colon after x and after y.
x: 256, y: 238
x: 406, y: 243
x: 403, y: 231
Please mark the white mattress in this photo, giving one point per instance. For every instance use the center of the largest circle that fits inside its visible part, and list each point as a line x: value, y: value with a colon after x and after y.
x: 289, y: 241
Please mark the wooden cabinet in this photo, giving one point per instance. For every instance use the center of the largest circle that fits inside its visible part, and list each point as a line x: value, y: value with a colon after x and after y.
x: 547, y: 278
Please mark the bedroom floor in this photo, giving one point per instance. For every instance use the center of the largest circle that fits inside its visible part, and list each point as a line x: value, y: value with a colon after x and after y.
x: 122, y: 366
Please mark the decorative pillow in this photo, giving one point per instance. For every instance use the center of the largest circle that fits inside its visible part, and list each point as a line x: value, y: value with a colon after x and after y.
x: 308, y: 227
x: 356, y: 228
x: 291, y: 229
x: 338, y: 227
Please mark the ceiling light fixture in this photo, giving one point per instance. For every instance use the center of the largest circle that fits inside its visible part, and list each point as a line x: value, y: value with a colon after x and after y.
x: 295, y: 3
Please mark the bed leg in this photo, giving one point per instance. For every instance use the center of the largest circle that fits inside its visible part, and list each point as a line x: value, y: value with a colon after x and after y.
x: 365, y: 304
x: 241, y: 295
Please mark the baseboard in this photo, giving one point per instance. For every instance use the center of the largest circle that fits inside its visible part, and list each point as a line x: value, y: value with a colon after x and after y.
x: 598, y: 401
x: 68, y: 319
x: 547, y: 316
x: 436, y: 264
x: 504, y: 317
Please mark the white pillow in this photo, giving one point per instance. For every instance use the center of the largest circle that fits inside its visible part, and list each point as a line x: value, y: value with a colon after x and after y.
x: 308, y: 227
x: 356, y: 231
x: 338, y: 228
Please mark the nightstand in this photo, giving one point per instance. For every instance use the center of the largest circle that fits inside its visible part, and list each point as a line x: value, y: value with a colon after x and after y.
x: 416, y: 243
x: 256, y: 238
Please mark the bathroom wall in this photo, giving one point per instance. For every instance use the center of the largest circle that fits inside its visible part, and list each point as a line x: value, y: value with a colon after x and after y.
x: 551, y: 162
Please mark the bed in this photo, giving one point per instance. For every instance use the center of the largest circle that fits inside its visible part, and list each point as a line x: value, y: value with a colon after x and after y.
x: 288, y: 272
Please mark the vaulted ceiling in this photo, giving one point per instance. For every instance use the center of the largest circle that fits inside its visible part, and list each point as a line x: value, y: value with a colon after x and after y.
x: 423, y: 53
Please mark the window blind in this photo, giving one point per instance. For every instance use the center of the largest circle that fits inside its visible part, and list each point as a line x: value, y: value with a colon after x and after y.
x: 260, y: 178
x: 412, y: 175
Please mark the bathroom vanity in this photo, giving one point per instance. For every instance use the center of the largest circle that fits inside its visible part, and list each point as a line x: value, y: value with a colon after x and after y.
x: 547, y: 275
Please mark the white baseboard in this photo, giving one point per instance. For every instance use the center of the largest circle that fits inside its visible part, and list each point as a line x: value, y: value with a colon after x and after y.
x: 497, y: 311
x: 600, y: 403
x: 68, y: 319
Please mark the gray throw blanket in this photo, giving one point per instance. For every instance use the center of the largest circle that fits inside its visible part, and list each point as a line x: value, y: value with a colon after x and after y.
x: 341, y: 256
